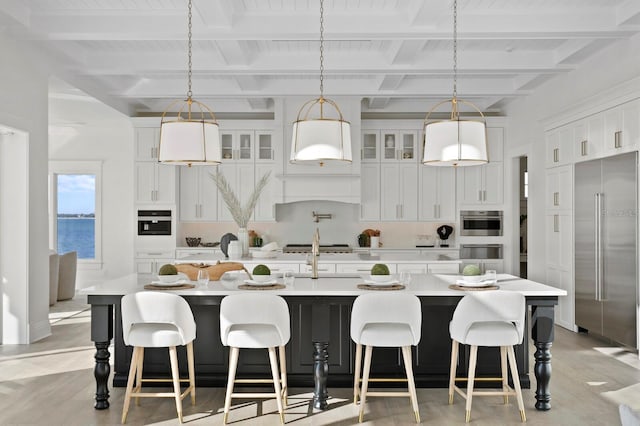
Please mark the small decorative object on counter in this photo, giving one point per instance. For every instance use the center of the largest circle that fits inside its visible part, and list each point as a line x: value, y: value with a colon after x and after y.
x: 374, y: 242
x: 363, y: 240
x: 193, y: 241
x: 234, y: 250
x: 224, y: 242
x: 372, y: 233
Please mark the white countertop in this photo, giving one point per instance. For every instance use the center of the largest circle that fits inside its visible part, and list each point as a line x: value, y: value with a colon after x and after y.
x: 421, y: 285
x: 331, y: 258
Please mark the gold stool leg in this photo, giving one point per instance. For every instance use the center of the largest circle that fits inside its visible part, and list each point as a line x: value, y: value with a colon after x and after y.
x: 132, y: 372
x: 452, y: 371
x: 233, y: 365
x: 365, y: 381
x: 406, y: 355
x: 472, y: 373
x: 175, y: 376
x: 516, y: 382
x: 505, y: 373
x: 356, y: 373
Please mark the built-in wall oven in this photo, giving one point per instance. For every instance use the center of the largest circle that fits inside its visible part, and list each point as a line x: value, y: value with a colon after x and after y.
x: 481, y: 222
x: 154, y: 222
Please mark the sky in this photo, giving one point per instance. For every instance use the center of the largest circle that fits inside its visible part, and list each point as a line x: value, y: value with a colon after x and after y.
x: 76, y: 194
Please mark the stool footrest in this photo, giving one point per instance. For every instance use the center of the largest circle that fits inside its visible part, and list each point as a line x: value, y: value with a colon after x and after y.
x: 162, y: 380
x: 383, y: 379
x: 402, y: 394
x: 253, y: 395
x: 479, y: 379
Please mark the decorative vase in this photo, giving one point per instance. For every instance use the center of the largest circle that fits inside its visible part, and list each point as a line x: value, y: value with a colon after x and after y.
x: 243, y: 237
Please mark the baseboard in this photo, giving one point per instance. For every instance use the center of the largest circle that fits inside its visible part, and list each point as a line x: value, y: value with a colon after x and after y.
x: 39, y: 330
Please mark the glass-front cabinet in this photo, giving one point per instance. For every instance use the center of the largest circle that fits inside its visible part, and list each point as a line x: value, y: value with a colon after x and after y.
x: 236, y: 145
x: 399, y: 145
x: 370, y: 146
x: 264, y: 149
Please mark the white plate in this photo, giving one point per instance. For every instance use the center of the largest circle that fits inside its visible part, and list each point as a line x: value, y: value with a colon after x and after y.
x: 384, y: 283
x: 485, y: 283
x: 175, y: 283
x: 261, y: 283
x: 263, y: 254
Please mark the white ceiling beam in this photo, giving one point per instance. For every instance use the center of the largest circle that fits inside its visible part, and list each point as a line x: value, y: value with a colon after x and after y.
x: 258, y: 104
x: 428, y: 12
x: 628, y: 13
x: 248, y: 83
x: 217, y: 13
x: 237, y: 52
x: 569, y: 49
x: 17, y: 11
x: 407, y: 51
x: 378, y: 102
x: 391, y: 82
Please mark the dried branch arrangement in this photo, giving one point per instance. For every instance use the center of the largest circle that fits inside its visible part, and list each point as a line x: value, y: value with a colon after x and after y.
x: 240, y: 214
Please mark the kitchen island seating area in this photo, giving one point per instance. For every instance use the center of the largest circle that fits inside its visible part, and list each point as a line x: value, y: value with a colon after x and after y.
x: 256, y: 321
x: 385, y: 320
x: 320, y: 311
x: 157, y: 320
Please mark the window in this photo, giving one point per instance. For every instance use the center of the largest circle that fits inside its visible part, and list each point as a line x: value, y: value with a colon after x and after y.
x: 75, y: 216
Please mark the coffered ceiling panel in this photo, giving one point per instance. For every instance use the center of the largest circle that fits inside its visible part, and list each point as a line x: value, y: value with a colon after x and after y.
x: 132, y: 54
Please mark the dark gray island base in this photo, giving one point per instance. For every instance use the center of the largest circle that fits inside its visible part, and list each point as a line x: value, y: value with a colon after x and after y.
x: 316, y: 320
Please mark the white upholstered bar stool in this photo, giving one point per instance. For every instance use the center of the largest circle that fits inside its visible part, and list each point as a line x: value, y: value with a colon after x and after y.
x: 256, y: 320
x: 157, y: 320
x: 494, y: 319
x: 384, y: 319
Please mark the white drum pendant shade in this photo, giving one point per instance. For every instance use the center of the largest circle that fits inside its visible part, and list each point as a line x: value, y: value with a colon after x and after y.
x: 321, y: 140
x: 184, y: 142
x: 455, y: 143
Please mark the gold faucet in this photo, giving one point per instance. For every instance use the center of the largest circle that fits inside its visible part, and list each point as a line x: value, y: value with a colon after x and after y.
x: 315, y: 254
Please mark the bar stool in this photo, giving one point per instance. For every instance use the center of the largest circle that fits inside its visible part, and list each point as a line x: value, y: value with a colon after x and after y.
x: 157, y: 320
x: 385, y: 320
x: 256, y: 321
x: 493, y: 319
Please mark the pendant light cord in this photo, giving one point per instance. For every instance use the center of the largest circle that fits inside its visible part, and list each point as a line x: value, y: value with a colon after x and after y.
x: 321, y: 49
x: 455, y: 49
x: 189, y: 92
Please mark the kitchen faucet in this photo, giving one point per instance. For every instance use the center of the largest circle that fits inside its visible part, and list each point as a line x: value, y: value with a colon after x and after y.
x: 315, y: 254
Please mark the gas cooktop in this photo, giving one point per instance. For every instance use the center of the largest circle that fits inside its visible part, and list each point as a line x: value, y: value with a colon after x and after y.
x: 326, y: 248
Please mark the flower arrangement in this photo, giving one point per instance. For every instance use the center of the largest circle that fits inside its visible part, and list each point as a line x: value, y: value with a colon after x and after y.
x: 240, y: 214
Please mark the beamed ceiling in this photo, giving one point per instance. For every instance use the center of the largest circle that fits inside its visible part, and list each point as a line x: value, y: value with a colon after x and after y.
x: 131, y: 54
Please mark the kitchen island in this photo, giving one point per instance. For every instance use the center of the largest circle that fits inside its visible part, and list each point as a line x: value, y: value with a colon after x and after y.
x: 320, y: 312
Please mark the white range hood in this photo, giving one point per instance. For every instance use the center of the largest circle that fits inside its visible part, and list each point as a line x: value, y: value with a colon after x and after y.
x: 343, y: 188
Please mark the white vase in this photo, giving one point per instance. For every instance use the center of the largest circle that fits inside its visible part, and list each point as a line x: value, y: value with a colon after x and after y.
x: 243, y: 237
x: 234, y: 250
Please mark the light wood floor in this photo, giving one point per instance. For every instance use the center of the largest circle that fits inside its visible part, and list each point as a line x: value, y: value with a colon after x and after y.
x: 51, y: 383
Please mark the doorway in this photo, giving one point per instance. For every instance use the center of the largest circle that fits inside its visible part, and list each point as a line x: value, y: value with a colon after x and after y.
x: 523, y: 197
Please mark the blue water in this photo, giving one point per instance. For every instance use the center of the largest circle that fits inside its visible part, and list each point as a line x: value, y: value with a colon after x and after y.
x: 77, y: 235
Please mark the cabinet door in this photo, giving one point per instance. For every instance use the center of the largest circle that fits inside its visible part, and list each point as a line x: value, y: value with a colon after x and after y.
x: 189, y: 191
x: 390, y: 142
x: 447, y: 194
x: 264, y: 147
x: 552, y: 150
x: 145, y: 182
x: 147, y: 139
x: 580, y: 142
x: 165, y: 183
x: 389, y: 192
x: 493, y: 186
x: 429, y: 191
x: 244, y: 146
x: 470, y: 184
x: 595, y: 136
x: 408, y: 147
x: 409, y: 192
x: 631, y: 125
x: 326, y: 268
x: 207, y: 194
x: 145, y: 266
x: 370, y: 146
x: 370, y: 192
x: 265, y: 210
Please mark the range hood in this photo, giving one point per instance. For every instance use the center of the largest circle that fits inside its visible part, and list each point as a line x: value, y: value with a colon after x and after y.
x: 343, y: 188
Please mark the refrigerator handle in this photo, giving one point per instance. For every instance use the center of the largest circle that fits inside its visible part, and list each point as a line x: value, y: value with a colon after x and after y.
x: 599, y: 259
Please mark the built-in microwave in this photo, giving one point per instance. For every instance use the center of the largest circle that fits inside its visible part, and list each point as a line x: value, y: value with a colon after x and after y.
x: 154, y: 222
x: 481, y: 222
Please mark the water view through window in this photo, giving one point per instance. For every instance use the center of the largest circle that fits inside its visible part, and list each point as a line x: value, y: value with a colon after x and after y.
x: 76, y: 214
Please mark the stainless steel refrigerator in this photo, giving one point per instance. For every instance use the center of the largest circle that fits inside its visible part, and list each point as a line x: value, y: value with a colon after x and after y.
x: 606, y: 254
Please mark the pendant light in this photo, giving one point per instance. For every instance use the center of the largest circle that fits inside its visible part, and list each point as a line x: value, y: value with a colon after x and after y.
x: 192, y: 136
x: 455, y: 142
x: 320, y: 139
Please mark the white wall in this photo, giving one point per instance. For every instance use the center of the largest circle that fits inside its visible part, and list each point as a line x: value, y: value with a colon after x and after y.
x: 106, y: 136
x: 609, y: 77
x: 23, y: 106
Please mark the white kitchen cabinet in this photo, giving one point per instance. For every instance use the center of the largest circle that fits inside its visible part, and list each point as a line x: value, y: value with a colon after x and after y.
x: 399, y: 192
x: 484, y: 265
x: 150, y: 262
x: 559, y: 193
x: 322, y: 267
x: 484, y: 184
x: 444, y: 268
x: 559, y: 241
x: 370, y: 150
x: 265, y: 150
x: 559, y: 146
x: 414, y: 268
x: 621, y: 128
x: 241, y: 179
x: 361, y: 268
x: 147, y: 139
x: 399, y: 145
x: 437, y: 193
x: 198, y: 194
x: 265, y: 210
x: 155, y: 183
x: 369, y: 192
x: 237, y: 145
